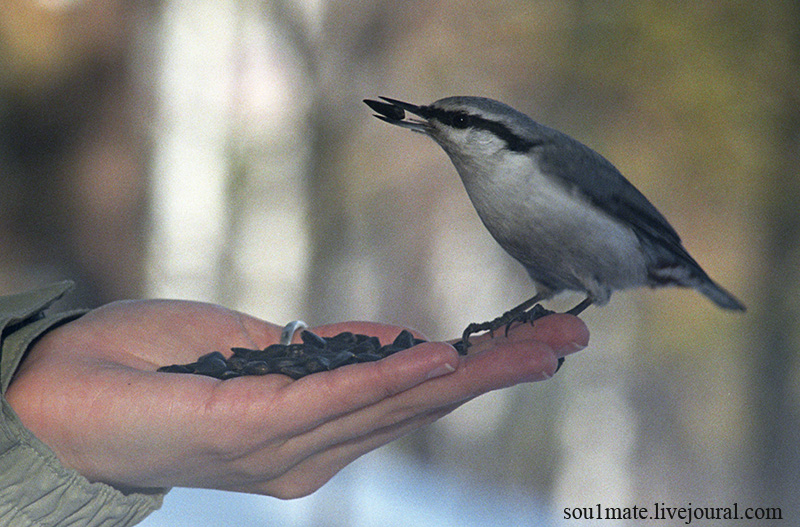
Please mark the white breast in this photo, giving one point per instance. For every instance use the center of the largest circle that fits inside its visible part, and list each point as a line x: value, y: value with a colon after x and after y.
x: 563, y: 241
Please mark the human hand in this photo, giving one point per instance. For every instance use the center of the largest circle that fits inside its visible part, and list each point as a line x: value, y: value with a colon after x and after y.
x: 89, y: 390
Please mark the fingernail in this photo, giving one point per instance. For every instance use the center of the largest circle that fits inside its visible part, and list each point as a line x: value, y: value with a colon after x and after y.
x: 444, y: 369
x: 572, y: 347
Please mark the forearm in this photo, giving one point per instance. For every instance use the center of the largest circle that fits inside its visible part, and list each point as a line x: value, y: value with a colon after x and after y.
x: 36, y: 488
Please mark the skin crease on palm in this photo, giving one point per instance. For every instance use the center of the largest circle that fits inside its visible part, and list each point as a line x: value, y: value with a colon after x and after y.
x: 89, y: 390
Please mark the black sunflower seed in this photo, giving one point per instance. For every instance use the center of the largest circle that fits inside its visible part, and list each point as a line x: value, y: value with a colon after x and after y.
x: 404, y: 340
x: 177, y: 368
x: 312, y: 340
x: 315, y: 354
x: 256, y: 367
x: 212, y: 364
x: 342, y: 358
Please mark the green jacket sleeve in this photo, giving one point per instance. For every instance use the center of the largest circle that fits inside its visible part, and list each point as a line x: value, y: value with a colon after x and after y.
x: 35, y: 489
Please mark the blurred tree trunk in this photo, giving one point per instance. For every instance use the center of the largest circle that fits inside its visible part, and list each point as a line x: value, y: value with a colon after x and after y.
x: 344, y: 62
x: 73, y: 148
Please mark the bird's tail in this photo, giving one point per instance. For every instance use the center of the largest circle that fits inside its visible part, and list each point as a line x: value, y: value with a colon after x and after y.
x: 719, y: 296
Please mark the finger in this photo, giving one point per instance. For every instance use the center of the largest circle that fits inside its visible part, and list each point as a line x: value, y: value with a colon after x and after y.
x: 498, y: 363
x: 295, y: 419
x: 261, y: 403
x: 351, y: 402
x: 520, y: 357
x: 495, y: 363
x: 564, y: 333
x: 528, y: 354
x: 314, y: 470
x: 351, y: 388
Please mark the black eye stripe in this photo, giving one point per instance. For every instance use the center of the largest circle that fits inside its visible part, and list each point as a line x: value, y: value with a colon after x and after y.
x: 454, y: 118
x: 461, y: 119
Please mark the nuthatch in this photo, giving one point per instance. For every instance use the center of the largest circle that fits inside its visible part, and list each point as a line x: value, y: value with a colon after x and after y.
x: 557, y: 206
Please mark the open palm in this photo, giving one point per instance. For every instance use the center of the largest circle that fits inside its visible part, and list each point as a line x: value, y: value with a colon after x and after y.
x: 89, y: 389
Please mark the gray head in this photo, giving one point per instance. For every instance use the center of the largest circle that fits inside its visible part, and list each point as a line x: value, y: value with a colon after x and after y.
x: 473, y: 126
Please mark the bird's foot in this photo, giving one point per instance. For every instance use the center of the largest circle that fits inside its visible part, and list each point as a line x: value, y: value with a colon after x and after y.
x: 519, y: 314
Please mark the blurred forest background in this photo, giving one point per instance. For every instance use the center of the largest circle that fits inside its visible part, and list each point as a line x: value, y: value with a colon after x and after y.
x: 218, y: 150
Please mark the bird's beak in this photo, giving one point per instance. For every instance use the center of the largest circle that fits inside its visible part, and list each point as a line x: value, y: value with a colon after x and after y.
x: 394, y: 112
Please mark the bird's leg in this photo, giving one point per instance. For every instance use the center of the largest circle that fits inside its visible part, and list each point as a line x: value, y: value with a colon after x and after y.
x: 577, y: 310
x: 506, y: 319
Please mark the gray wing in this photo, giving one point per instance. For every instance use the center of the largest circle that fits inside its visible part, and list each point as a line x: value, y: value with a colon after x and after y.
x: 586, y: 172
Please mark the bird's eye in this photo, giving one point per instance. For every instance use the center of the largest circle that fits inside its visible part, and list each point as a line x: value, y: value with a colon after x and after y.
x: 460, y: 121
x: 452, y: 118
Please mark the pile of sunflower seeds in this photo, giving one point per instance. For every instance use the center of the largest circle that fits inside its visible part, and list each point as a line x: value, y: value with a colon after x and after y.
x: 317, y: 354
x: 314, y: 354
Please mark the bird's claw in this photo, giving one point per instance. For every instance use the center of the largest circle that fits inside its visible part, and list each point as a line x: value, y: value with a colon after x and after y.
x: 507, y: 319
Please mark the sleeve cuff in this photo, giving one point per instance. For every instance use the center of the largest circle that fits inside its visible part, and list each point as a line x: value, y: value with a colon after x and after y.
x: 35, y: 489
x: 22, y: 321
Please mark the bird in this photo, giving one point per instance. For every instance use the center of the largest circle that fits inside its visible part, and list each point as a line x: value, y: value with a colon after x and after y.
x: 558, y: 207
